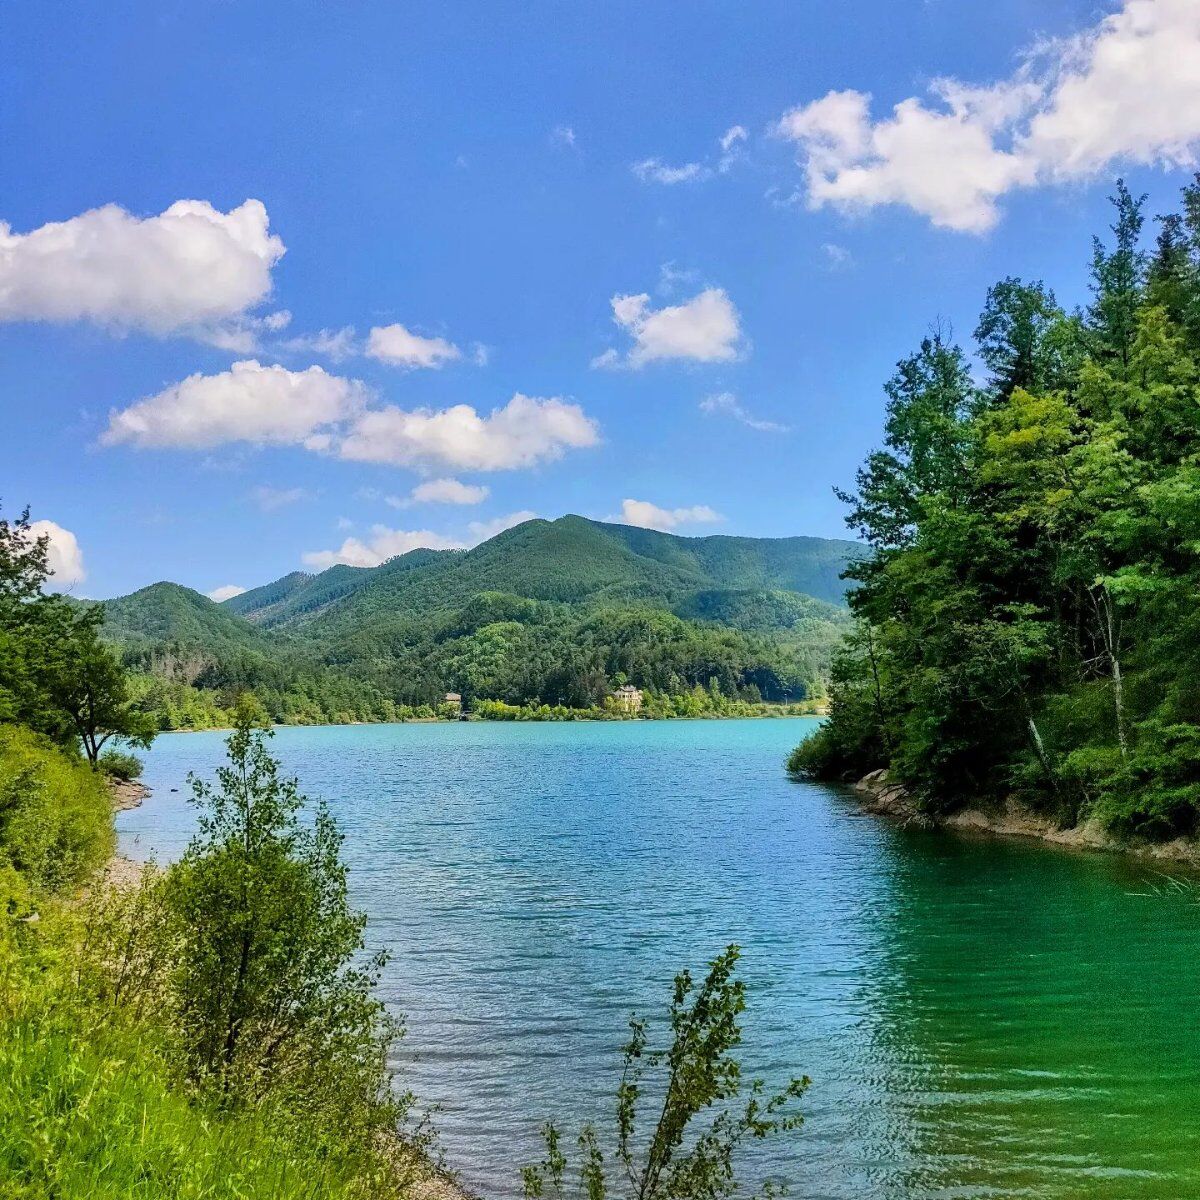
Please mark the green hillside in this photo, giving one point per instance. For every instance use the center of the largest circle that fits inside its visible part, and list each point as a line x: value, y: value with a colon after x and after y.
x: 570, y: 561
x: 168, y: 612
x: 549, y: 611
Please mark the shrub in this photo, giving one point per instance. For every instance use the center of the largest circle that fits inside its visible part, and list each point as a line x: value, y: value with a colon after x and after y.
x: 119, y: 764
x: 55, y: 814
x: 699, y: 1074
x: 273, y: 994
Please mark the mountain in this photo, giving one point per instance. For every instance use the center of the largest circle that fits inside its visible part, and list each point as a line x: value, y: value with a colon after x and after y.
x: 571, y: 560
x: 554, y: 611
x: 168, y: 612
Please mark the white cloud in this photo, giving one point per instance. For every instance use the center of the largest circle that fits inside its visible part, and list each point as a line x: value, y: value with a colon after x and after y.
x: 225, y: 592
x: 672, y: 279
x: 271, y: 499
x: 837, y: 256
x: 654, y: 170
x: 728, y: 404
x: 384, y: 543
x: 528, y: 430
x: 1125, y: 90
x: 645, y: 515
x: 398, y: 346
x: 482, y: 530
x: 942, y: 164
x: 564, y: 135
x: 733, y: 135
x: 64, y: 558
x: 731, y: 147
x: 441, y: 491
x: 248, y: 403
x: 192, y: 269
x: 705, y: 328
x: 335, y: 344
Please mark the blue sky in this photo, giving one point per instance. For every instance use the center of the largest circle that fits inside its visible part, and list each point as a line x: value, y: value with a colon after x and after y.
x: 459, y: 204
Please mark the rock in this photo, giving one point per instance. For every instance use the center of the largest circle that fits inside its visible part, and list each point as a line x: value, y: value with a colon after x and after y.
x: 127, y: 793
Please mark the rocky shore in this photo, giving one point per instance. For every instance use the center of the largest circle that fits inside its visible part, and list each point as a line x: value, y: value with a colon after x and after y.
x: 885, y: 798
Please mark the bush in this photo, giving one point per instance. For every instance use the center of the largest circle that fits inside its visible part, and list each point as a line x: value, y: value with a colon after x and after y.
x: 698, y: 1075
x: 118, y: 764
x: 55, y: 815
x: 273, y: 993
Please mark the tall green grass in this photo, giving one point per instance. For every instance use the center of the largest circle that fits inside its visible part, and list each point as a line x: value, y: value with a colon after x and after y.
x: 100, y: 1118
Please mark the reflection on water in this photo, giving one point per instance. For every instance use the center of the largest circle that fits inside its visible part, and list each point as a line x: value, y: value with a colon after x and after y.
x: 979, y: 1018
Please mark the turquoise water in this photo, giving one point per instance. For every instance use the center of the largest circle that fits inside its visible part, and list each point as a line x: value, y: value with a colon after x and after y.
x: 979, y: 1018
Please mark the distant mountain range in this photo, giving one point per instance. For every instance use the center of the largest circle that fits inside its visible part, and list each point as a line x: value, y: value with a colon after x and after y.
x: 404, y: 627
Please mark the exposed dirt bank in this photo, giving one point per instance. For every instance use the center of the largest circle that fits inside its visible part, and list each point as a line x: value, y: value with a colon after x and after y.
x: 891, y: 800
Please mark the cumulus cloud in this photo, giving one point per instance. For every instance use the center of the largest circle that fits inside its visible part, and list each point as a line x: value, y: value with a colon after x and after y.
x: 383, y: 543
x: 727, y: 404
x: 645, y: 515
x: 64, y: 558
x: 482, y: 530
x: 192, y: 269
x: 400, y: 347
x: 440, y: 491
x: 270, y: 405
x: 654, y: 170
x: 564, y: 135
x: 705, y: 328
x: 225, y: 592
x: 527, y: 431
x: 1125, y: 90
x: 248, y: 403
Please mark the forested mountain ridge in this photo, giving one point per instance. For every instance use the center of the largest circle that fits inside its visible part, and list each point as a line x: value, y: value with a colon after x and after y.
x: 571, y: 560
x: 549, y: 612
x: 1027, y: 625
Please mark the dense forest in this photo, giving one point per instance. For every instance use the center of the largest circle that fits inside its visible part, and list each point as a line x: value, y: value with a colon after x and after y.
x: 549, y: 615
x: 1027, y: 627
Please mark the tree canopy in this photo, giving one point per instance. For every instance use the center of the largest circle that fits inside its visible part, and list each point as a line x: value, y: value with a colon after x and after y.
x: 1027, y: 625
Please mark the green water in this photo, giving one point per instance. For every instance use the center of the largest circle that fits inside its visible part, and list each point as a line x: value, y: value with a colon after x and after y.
x: 980, y: 1018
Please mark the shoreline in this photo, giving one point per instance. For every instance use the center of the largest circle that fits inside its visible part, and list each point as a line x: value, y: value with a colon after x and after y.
x: 471, y: 719
x: 876, y: 795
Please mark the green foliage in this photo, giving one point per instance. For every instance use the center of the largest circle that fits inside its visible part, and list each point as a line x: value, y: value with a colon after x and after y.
x: 696, y: 1075
x: 211, y: 1034
x: 550, y: 614
x: 1027, y: 623
x: 273, y: 996
x: 56, y: 676
x: 93, y: 1102
x: 55, y: 819
x: 117, y: 764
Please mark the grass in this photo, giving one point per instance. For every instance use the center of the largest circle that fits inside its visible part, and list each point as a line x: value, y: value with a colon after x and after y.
x: 89, y: 1108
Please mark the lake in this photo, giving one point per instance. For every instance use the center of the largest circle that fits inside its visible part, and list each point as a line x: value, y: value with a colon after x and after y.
x: 980, y: 1018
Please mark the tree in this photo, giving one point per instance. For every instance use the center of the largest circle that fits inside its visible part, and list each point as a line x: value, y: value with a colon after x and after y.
x: 1031, y: 611
x: 56, y: 676
x: 1117, y: 280
x: 272, y: 994
x: 700, y: 1073
x: 90, y: 687
x: 924, y: 435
